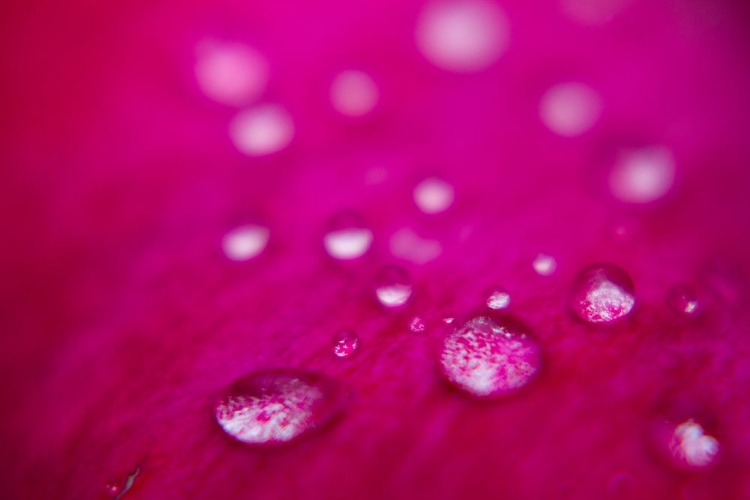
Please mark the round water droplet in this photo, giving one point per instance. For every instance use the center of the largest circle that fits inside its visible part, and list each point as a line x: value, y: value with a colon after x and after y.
x: 230, y: 73
x: 277, y: 406
x: 490, y: 356
x: 262, y: 130
x: 642, y: 175
x: 683, y: 300
x: 354, y: 93
x: 417, y: 325
x: 570, y: 109
x: 684, y: 444
x: 347, y: 237
x: 245, y: 242
x: 393, y: 286
x: 498, y: 298
x: 544, y: 265
x: 602, y: 293
x: 345, y: 344
x: 433, y: 195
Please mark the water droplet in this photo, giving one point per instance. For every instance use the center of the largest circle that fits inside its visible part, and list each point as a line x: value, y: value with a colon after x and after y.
x: 347, y: 237
x: 407, y: 244
x: 393, y: 286
x: 354, y: 93
x: 118, y: 488
x: 448, y: 320
x: 230, y: 73
x: 277, y: 406
x: 245, y: 242
x: 498, y: 298
x: 433, y: 195
x: 684, y: 444
x: 642, y: 175
x: 570, y: 109
x: 262, y: 130
x: 417, y: 325
x: 345, y: 344
x: 683, y: 300
x: 602, y: 293
x: 544, y: 265
x: 490, y: 356
x: 463, y: 37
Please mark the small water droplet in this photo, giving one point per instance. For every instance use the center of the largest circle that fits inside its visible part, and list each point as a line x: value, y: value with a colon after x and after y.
x: 393, y: 286
x: 262, y: 130
x: 417, y: 325
x: 498, y: 298
x: 448, y: 320
x: 345, y: 344
x: 277, y: 406
x: 347, y: 237
x: 642, y: 175
x: 683, y: 300
x: 602, y: 293
x: 118, y: 487
x: 433, y: 195
x: 245, y: 242
x: 544, y: 264
x: 684, y: 444
x: 490, y: 356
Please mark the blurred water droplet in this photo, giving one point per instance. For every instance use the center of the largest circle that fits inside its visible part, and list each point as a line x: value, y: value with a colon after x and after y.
x: 602, y: 293
x: 544, y: 265
x: 570, y: 109
x: 684, y: 445
x: 498, y: 298
x: 408, y: 245
x: 490, y: 356
x: 277, y: 406
x: 354, y: 93
x: 262, y: 130
x: 433, y: 195
x: 345, y: 343
x: 347, y: 237
x: 245, y: 242
x: 392, y: 286
x: 642, y: 175
x: 231, y: 73
x: 448, y: 320
x: 683, y: 300
x: 463, y: 37
x: 417, y: 325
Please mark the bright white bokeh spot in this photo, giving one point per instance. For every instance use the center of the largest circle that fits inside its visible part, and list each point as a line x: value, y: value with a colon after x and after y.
x: 570, y: 109
x: 354, y: 93
x: 642, y: 175
x: 347, y: 244
x: 544, y: 265
x: 406, y: 244
x: 592, y: 12
x: 498, y: 298
x: 462, y: 36
x: 262, y: 130
x: 690, y: 444
x: 433, y: 195
x: 245, y: 242
x: 231, y: 73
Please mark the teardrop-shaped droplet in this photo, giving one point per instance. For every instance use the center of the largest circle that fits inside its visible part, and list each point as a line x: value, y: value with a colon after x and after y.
x: 347, y: 237
x: 277, y: 406
x: 684, y: 444
x: 498, y: 298
x: 393, y: 286
x: 490, y: 356
x: 602, y: 293
x: 345, y: 344
x: 683, y: 300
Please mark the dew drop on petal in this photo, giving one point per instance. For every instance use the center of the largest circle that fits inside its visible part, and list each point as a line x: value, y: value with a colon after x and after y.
x: 231, y: 73
x: 262, y: 130
x: 417, y: 325
x: 602, y: 293
x: 685, y: 445
x: 245, y: 242
x: 433, y: 195
x: 490, y: 356
x: 498, y: 298
x: 277, y: 406
x: 345, y: 344
x: 407, y: 244
x: 544, y: 265
x: 347, y: 237
x: 462, y: 36
x: 570, y: 109
x: 683, y: 300
x: 642, y: 175
x: 354, y: 93
x: 393, y: 286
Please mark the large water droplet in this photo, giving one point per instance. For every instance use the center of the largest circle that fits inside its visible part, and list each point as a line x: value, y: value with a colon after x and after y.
x: 683, y: 300
x: 498, y: 298
x: 347, y: 236
x: 490, y: 356
x: 393, y: 286
x: 345, y: 344
x: 245, y: 242
x: 684, y: 444
x: 602, y: 293
x: 277, y: 406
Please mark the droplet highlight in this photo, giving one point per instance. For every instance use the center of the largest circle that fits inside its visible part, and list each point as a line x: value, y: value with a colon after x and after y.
x: 498, y: 298
x: 602, y: 293
x: 642, y: 175
x: 393, y: 287
x: 490, y: 356
x: 262, y: 130
x: 277, y: 406
x: 685, y: 445
x: 347, y: 237
x: 683, y: 300
x: 230, y: 73
x: 245, y: 242
x: 345, y: 344
x: 544, y: 265
x: 433, y: 195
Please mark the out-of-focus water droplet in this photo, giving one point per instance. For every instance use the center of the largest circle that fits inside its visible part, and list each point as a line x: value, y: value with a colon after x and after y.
x: 407, y: 244
x: 354, y: 93
x: 347, y: 237
x: 544, y: 265
x: 230, y: 73
x: 448, y: 320
x: 642, y: 175
x: 262, y: 130
x: 602, y: 293
x: 683, y: 300
x: 277, y: 406
x: 685, y: 445
x: 245, y: 242
x: 417, y: 325
x: 345, y: 344
x: 393, y: 286
x: 433, y: 195
x: 570, y: 109
x: 462, y: 37
x: 490, y: 356
x: 498, y: 298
